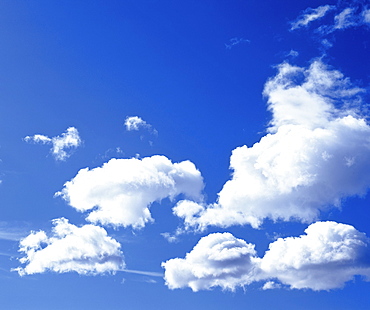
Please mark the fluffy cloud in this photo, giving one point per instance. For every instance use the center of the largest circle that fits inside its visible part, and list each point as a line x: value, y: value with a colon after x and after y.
x: 67, y: 140
x: 121, y: 191
x: 85, y: 250
x: 218, y: 259
x: 329, y: 255
x: 309, y: 15
x: 314, y: 155
x: 326, y: 257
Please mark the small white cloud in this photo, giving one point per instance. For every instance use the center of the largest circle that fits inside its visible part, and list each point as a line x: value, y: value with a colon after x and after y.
x: 326, y: 257
x: 293, y: 53
x: 135, y: 123
x: 38, y: 139
x: 67, y: 140
x: 86, y: 250
x: 310, y: 15
x: 269, y: 285
x: 315, y: 154
x: 121, y: 192
x: 169, y: 237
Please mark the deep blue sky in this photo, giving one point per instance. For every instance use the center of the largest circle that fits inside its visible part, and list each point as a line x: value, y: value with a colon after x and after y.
x: 195, y: 72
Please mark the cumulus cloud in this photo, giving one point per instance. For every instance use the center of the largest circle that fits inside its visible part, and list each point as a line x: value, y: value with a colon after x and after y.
x: 314, y: 155
x: 218, y: 259
x: 86, y: 250
x: 309, y: 15
x: 329, y: 255
x: 67, y: 140
x: 325, y: 258
x: 121, y: 192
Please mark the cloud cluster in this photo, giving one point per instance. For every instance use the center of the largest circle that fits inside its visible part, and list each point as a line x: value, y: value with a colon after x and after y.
x: 314, y: 155
x: 345, y: 15
x: 121, y: 191
x: 326, y: 257
x: 67, y: 140
x: 86, y: 250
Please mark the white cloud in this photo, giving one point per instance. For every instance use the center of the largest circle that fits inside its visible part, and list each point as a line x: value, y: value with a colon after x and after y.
x: 135, y: 123
x: 326, y: 257
x: 329, y: 255
x: 315, y: 154
x: 269, y: 285
x: 218, y: 259
x: 121, y: 191
x: 67, y: 140
x: 86, y: 250
x: 309, y: 15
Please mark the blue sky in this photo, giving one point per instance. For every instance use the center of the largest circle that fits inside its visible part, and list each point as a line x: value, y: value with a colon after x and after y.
x: 195, y: 154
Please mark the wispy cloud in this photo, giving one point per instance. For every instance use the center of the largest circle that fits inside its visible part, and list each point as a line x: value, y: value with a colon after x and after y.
x: 67, y: 140
x: 13, y: 231
x: 343, y: 15
x: 309, y: 15
x: 145, y: 273
x: 235, y: 41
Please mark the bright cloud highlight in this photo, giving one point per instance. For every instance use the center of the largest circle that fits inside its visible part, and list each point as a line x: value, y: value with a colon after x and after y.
x: 326, y: 257
x: 86, y: 250
x: 67, y: 140
x: 315, y: 154
x: 121, y: 191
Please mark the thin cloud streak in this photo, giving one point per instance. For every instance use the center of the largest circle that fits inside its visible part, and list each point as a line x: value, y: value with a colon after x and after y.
x: 145, y: 273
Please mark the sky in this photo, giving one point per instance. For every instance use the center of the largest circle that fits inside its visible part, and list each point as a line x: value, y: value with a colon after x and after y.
x: 184, y: 154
